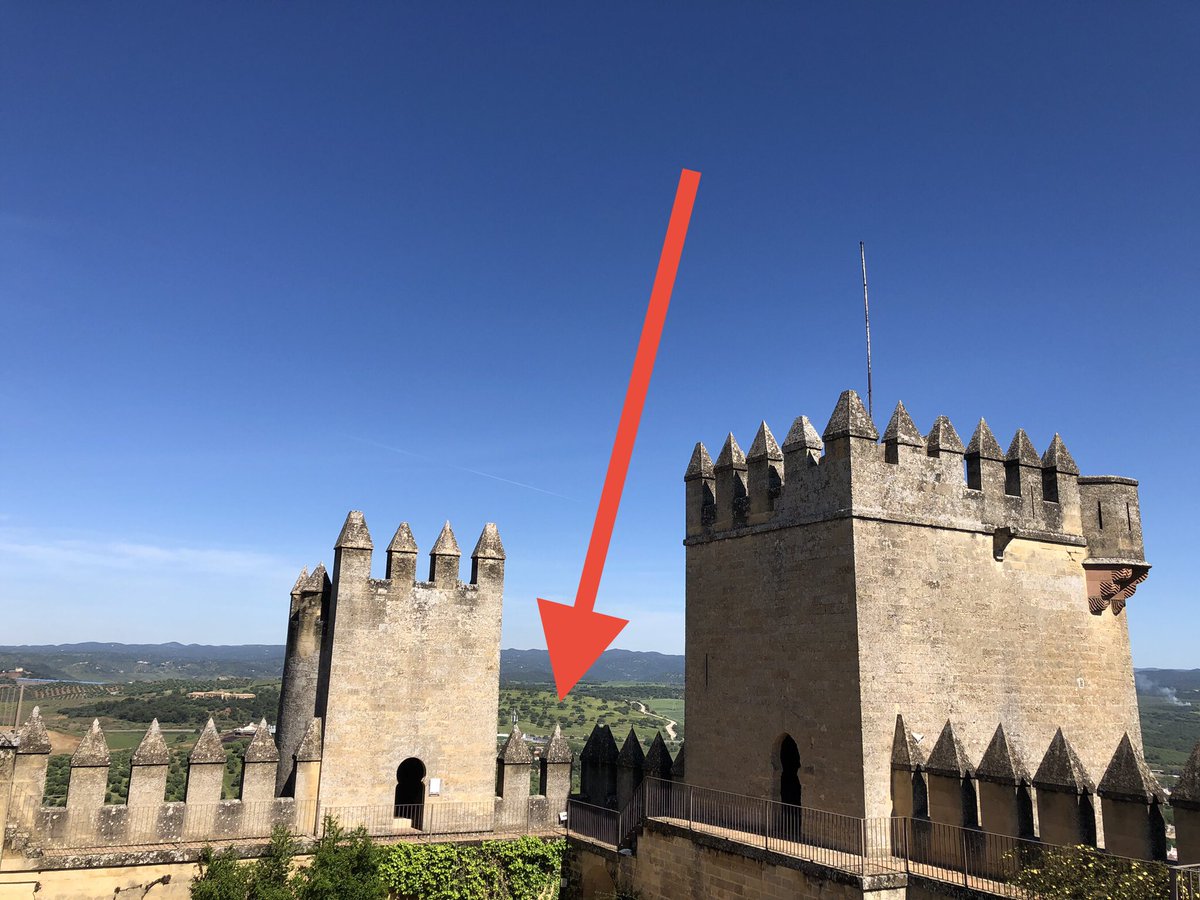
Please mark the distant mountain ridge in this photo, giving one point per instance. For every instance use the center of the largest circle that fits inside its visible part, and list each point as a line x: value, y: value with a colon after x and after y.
x: 112, y: 661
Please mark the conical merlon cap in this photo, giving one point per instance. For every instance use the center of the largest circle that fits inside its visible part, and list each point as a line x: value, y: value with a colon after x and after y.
x: 1129, y: 778
x: 558, y: 750
x: 905, y: 752
x: 658, y: 758
x: 261, y: 748
x: 700, y: 465
x: 208, y: 748
x: 1061, y: 769
x: 983, y: 443
x: 317, y: 582
x: 731, y: 456
x: 600, y: 745
x: 902, y: 430
x: 948, y: 756
x: 631, y: 753
x: 1001, y: 762
x: 802, y: 436
x: 354, y: 534
x: 93, y: 749
x: 300, y: 579
x: 764, y: 446
x: 152, y: 751
x: 1021, y: 450
x: 943, y: 437
x: 515, y: 751
x: 1058, y: 457
x: 311, y: 744
x: 403, y: 540
x: 32, y: 737
x: 678, y: 768
x: 850, y: 419
x: 446, y: 545
x: 1187, y: 789
x: 488, y: 546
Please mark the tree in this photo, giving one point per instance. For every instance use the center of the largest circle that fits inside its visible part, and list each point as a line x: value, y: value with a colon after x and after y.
x: 345, y: 866
x: 1085, y: 873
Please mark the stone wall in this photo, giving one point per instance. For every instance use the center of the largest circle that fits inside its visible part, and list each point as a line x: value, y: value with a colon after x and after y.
x: 672, y: 865
x: 772, y: 649
x: 948, y: 632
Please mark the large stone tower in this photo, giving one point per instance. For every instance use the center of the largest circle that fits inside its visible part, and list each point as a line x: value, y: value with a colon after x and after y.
x: 403, y: 675
x: 838, y: 581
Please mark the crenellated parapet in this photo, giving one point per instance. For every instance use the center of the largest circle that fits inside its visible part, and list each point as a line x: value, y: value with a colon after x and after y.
x: 610, y: 777
x: 88, y: 820
x: 932, y: 480
x: 1002, y: 793
x: 354, y: 547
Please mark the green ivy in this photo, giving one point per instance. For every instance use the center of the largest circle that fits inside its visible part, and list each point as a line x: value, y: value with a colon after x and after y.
x: 527, y: 868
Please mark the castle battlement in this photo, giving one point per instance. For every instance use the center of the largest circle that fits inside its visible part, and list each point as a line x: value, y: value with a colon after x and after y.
x: 907, y: 477
x: 354, y: 548
x: 88, y: 820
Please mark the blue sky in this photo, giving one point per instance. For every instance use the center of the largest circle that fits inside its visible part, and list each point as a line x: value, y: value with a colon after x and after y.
x: 261, y: 264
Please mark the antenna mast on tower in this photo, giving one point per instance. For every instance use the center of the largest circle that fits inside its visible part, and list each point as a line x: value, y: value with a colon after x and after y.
x: 862, y: 252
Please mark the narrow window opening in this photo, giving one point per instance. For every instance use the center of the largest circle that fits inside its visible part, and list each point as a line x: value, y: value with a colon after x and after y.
x: 970, y: 804
x: 1012, y: 479
x: 1087, y: 820
x: 920, y: 796
x: 974, y: 476
x: 1100, y: 515
x: 1024, y: 813
x: 1050, y: 485
x: 1128, y: 517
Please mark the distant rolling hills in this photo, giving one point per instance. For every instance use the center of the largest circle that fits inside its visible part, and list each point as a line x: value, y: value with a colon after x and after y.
x: 96, y: 661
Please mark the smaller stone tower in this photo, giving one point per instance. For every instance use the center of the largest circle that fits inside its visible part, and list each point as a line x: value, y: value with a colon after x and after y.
x: 401, y: 676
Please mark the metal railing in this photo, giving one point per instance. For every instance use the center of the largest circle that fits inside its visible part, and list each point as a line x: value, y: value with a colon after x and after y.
x: 994, y: 863
x: 594, y: 822
x: 999, y: 864
x: 854, y: 844
x: 1185, y: 882
x: 844, y: 842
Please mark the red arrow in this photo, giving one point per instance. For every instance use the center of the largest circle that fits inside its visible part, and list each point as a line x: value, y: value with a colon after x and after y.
x: 576, y: 635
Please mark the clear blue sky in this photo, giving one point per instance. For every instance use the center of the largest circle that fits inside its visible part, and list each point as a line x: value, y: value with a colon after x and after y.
x: 261, y: 264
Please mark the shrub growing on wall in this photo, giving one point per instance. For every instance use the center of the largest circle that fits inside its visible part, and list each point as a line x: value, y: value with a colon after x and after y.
x: 1085, y: 873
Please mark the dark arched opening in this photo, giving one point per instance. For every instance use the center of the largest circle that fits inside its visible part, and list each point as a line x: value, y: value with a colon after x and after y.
x: 788, y: 822
x: 410, y: 791
x: 789, y: 771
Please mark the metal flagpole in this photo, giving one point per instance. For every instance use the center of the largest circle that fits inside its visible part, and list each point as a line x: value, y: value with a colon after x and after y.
x: 862, y: 252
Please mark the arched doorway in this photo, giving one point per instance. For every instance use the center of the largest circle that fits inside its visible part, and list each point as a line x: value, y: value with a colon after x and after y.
x: 410, y: 791
x: 789, y: 771
x: 788, y: 822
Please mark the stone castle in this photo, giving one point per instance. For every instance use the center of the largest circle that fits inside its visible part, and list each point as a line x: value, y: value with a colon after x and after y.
x: 897, y: 630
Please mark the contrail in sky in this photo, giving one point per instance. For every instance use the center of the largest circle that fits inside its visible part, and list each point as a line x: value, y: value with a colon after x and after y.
x: 440, y: 462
